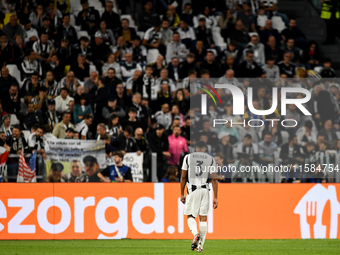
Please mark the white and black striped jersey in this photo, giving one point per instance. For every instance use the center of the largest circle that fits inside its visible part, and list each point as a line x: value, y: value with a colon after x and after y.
x: 31, y: 67
x: 152, y: 36
x: 43, y: 49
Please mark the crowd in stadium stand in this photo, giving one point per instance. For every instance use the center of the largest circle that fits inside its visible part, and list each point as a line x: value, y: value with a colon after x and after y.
x: 124, y: 79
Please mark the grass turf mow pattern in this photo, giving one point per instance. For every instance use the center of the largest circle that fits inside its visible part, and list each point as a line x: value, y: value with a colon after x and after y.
x: 128, y: 246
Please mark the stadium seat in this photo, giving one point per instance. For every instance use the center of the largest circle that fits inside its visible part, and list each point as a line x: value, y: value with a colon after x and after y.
x: 218, y: 39
x: 83, y: 33
x: 14, y: 120
x: 278, y: 23
x: 141, y: 34
x: 285, y: 136
x: 7, y: 18
x: 67, y: 69
x: 318, y: 69
x: 14, y: 71
x: 72, y: 20
x: 253, y: 33
x: 338, y: 134
x: 93, y: 68
x: 152, y: 55
x: 26, y: 133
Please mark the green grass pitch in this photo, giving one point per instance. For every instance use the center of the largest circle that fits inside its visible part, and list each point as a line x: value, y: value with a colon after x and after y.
x: 127, y: 246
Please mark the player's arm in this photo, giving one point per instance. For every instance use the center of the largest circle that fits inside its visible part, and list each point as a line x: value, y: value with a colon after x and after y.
x: 183, y: 181
x: 214, y: 181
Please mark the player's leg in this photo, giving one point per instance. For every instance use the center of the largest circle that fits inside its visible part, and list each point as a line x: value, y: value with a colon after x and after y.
x: 203, y: 213
x: 193, y: 228
x: 192, y: 224
x: 203, y: 227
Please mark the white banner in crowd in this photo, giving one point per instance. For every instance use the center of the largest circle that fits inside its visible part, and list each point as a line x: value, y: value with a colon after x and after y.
x: 133, y: 161
x: 64, y: 151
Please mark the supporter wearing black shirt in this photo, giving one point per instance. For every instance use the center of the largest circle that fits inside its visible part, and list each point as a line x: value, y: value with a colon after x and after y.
x: 110, y: 17
x: 47, y: 28
x: 211, y: 65
x: 272, y: 50
x: 146, y: 18
x: 199, y: 52
x: 112, y: 81
x: 286, y: 67
x: 188, y: 65
x: 140, y: 140
x: 132, y: 121
x: 11, y: 100
x: 99, y: 51
x: 66, y: 31
x: 98, y: 97
x: 6, y: 51
x: 249, y: 68
x: 81, y: 69
x: 83, y: 48
x: 123, y: 100
x: 32, y: 117
x: 86, y: 16
x: 18, y: 145
x: 204, y: 34
x: 125, y: 142
x: 6, y: 80
x: 142, y: 111
x: 160, y: 145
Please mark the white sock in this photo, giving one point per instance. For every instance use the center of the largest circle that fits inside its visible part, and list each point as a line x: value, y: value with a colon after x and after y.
x: 203, y: 231
x: 192, y: 226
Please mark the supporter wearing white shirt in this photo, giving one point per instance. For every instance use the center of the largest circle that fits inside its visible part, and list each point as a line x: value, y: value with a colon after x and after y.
x: 163, y: 116
x: 30, y: 34
x: 62, y: 101
x: 187, y: 34
x: 176, y: 49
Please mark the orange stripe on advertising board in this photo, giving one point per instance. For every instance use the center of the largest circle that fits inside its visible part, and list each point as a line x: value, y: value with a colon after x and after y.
x: 153, y: 211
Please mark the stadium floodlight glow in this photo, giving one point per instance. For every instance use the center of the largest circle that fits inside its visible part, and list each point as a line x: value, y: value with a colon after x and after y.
x: 238, y: 100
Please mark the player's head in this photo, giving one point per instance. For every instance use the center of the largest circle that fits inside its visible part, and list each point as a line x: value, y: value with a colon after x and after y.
x: 200, y: 146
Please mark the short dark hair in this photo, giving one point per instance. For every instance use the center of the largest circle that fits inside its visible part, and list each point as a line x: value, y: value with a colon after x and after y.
x: 268, y: 133
x: 17, y: 127
x: 148, y: 66
x: 84, y: 38
x: 129, y: 130
x: 327, y: 60
x: 66, y: 113
x: 119, y: 154
x: 132, y: 109
x: 291, y: 138
x: 66, y: 89
x: 204, y: 71
x: 248, y: 136
x: 270, y: 58
x: 126, y: 20
x: 88, y: 116
x: 41, y: 127
x: 249, y: 52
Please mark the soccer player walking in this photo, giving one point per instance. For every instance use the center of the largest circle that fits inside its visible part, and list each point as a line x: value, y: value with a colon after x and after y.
x: 197, y: 168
